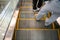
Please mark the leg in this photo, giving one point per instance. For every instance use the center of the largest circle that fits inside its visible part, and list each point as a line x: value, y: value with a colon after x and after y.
x: 40, y: 2
x: 44, y: 10
x: 51, y: 20
x: 41, y: 13
x: 34, y: 4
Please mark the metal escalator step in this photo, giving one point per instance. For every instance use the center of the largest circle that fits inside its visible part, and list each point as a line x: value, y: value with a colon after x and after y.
x: 26, y: 9
x: 26, y: 12
x: 26, y: 0
x: 26, y: 4
x: 31, y: 24
x: 26, y: 15
x: 37, y: 35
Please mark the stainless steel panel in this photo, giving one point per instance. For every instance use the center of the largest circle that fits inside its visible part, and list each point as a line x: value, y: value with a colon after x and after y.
x: 5, y: 17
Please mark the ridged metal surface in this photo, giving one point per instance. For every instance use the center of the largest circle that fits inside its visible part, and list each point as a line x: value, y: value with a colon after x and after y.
x: 27, y: 20
x: 36, y: 35
x: 31, y: 24
x: 26, y: 15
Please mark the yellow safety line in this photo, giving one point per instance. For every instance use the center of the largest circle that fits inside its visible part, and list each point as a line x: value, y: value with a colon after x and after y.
x: 19, y: 15
x: 15, y: 34
x: 35, y: 29
x: 53, y: 25
x: 26, y: 19
x: 29, y: 19
x: 18, y: 20
x: 58, y: 34
x: 17, y: 24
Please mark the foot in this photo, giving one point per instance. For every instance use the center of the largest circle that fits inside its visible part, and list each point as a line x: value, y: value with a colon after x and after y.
x: 47, y: 23
x: 46, y: 2
x: 37, y: 20
x: 38, y: 9
x: 34, y: 10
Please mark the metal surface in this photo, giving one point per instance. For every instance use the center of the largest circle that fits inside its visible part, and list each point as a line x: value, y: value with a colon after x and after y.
x: 30, y: 29
x: 5, y: 17
x: 10, y: 31
x: 26, y: 15
x: 3, y: 3
x: 31, y: 24
x: 26, y: 9
x: 36, y: 35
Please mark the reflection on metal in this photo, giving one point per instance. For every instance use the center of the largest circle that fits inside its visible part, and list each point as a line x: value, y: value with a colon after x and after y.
x: 6, y: 15
x: 9, y: 34
x: 3, y: 3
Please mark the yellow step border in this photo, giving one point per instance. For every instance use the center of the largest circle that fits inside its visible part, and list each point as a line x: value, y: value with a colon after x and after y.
x: 29, y: 19
x: 35, y: 29
x: 53, y: 25
x: 59, y: 33
x: 17, y: 24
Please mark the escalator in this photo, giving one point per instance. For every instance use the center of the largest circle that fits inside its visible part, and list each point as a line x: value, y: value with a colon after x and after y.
x: 28, y: 28
x: 18, y: 22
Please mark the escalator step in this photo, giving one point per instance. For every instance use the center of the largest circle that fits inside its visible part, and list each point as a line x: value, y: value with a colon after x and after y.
x: 31, y: 24
x: 37, y: 35
x: 26, y: 4
x: 26, y: 15
x: 29, y: 12
x: 26, y: 0
x: 26, y: 9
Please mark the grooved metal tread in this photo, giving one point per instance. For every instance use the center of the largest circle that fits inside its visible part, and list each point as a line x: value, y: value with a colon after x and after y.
x: 37, y: 35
